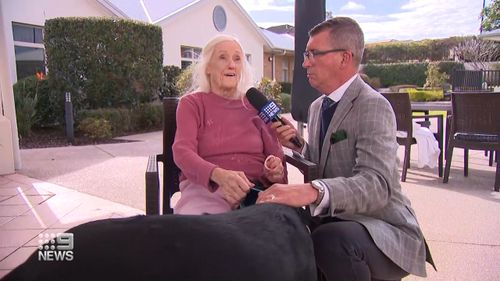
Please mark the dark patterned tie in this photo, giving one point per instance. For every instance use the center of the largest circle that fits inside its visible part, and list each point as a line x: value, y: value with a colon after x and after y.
x: 327, y: 110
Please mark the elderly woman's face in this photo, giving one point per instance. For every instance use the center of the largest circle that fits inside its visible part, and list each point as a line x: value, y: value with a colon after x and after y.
x: 224, y: 68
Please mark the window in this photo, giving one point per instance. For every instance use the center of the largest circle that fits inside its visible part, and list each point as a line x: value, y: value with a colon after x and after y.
x: 26, y: 33
x: 29, y: 61
x: 284, y: 70
x: 189, y: 55
x: 219, y: 18
x: 29, y: 49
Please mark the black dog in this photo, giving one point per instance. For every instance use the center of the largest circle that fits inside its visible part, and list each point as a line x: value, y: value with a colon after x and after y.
x: 261, y: 242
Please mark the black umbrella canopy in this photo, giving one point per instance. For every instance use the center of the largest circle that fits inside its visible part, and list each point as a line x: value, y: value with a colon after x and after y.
x: 308, y: 13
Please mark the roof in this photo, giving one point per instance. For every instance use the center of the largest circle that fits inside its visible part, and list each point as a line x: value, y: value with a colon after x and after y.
x: 279, y: 41
x: 281, y: 29
x: 150, y: 11
x: 155, y: 11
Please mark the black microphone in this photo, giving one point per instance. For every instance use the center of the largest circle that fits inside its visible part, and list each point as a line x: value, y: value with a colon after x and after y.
x: 268, y: 110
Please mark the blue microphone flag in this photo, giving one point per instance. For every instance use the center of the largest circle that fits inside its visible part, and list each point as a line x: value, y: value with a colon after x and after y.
x: 269, y: 111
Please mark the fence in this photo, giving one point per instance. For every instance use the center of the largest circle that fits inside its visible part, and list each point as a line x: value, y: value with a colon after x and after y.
x: 472, y: 80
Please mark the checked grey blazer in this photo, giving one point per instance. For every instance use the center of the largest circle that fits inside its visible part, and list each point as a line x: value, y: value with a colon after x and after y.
x: 361, y: 173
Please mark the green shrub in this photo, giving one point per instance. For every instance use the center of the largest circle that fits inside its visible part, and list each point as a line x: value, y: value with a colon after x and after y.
x: 397, y: 73
x: 120, y: 118
x: 425, y: 95
x: 25, y: 113
x: 185, y: 80
x: 271, y: 89
x: 435, y: 78
x: 143, y: 117
x: 286, y: 102
x: 449, y: 66
x: 148, y: 116
x: 286, y: 87
x: 96, y: 128
x: 168, y: 86
x: 104, y: 62
x: 49, y: 106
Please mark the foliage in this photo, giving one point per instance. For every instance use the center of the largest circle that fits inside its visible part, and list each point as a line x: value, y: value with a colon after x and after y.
x: 49, y: 105
x: 168, y: 87
x: 286, y: 87
x: 271, y: 89
x: 408, y: 51
x: 185, y: 80
x: 96, y: 128
x: 25, y: 111
x: 425, y: 95
x: 120, y: 118
x: 491, y: 16
x: 449, y: 66
x: 435, y: 78
x: 477, y: 51
x: 104, y: 62
x: 397, y: 73
x: 147, y: 116
x: 286, y: 102
x: 386, y: 75
x: 373, y: 82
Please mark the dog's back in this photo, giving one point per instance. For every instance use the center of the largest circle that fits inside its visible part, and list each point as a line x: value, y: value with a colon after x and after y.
x: 261, y: 242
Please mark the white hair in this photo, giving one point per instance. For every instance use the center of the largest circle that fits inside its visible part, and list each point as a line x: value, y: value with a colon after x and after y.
x: 201, y: 81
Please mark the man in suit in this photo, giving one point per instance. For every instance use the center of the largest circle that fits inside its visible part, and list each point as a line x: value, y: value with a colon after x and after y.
x: 367, y: 229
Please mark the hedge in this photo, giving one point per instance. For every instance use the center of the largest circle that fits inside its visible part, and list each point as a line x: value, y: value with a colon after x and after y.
x: 406, y: 73
x: 104, y: 62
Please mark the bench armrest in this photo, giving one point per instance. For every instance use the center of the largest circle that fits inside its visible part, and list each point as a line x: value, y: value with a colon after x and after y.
x: 152, y: 186
x: 308, y: 168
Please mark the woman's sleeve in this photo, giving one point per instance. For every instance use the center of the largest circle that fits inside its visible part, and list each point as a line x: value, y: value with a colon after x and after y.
x: 185, y: 147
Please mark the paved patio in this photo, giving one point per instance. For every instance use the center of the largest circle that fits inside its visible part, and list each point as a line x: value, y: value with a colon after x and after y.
x: 62, y: 187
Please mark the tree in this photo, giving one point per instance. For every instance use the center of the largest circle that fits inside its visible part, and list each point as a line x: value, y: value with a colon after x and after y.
x: 435, y: 78
x: 478, y: 52
x: 491, y: 16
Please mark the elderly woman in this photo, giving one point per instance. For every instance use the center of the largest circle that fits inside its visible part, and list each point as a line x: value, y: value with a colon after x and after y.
x: 221, y: 145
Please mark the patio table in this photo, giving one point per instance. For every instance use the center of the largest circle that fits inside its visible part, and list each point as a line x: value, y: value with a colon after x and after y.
x: 426, y: 106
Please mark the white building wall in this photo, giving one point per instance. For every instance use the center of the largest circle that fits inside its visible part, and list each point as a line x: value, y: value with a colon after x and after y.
x: 195, y: 28
x: 191, y: 27
x: 33, y: 13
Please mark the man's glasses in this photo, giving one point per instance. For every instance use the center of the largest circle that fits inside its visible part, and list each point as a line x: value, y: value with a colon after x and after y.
x: 311, y: 54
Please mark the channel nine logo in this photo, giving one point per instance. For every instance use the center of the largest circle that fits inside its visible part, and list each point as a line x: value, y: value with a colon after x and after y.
x: 55, y: 247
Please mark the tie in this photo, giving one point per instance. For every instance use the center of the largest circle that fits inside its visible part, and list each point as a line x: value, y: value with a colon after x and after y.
x: 327, y: 110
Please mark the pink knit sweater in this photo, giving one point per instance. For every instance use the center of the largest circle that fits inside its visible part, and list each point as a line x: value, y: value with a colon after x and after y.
x: 216, y: 132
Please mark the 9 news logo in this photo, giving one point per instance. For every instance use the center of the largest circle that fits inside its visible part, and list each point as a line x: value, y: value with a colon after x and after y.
x: 55, y: 247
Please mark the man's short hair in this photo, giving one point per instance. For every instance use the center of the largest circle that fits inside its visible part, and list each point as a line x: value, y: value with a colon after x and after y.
x: 345, y: 33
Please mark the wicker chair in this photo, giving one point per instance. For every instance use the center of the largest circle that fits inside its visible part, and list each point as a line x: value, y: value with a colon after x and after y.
x: 475, y: 124
x: 401, y: 105
x: 170, y: 181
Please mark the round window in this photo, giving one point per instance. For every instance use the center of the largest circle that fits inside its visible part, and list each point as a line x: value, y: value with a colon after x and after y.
x: 220, y: 19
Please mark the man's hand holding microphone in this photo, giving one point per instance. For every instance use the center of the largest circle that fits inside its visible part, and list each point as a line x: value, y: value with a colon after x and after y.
x: 269, y: 112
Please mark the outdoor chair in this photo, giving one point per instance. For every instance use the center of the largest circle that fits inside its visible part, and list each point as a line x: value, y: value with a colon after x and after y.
x: 401, y: 105
x: 158, y: 196
x: 475, y: 124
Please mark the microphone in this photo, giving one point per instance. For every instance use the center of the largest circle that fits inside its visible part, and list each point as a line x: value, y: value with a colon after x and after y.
x: 269, y: 110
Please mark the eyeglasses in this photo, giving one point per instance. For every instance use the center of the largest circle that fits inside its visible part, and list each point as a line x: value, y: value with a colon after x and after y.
x: 311, y: 54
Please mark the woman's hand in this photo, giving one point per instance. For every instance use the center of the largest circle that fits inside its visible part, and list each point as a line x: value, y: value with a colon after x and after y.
x: 286, y: 133
x: 273, y: 169
x: 234, y: 184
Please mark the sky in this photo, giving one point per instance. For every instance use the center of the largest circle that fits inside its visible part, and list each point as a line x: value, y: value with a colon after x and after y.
x: 383, y: 20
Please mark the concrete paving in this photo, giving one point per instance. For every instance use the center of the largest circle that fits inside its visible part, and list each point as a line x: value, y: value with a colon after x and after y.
x: 61, y: 187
